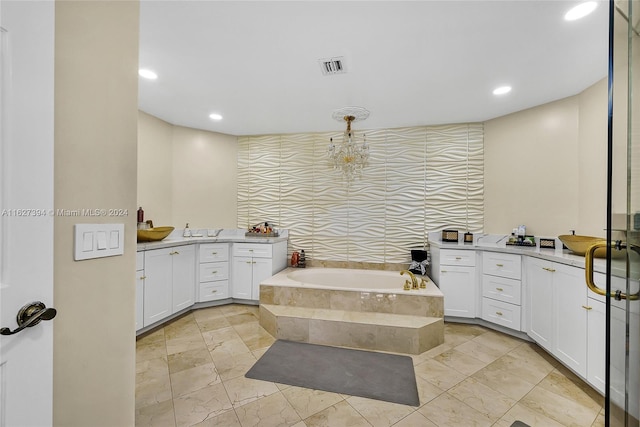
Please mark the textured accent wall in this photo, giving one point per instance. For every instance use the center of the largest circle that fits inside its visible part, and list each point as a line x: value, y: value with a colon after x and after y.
x: 418, y: 179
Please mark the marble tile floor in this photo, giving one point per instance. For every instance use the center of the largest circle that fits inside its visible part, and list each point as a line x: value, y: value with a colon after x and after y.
x: 191, y: 373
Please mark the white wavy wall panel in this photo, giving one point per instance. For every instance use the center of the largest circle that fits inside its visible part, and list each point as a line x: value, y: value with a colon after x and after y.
x: 418, y: 179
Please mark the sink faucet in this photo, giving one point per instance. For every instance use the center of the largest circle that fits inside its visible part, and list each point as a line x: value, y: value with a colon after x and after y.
x: 414, y: 281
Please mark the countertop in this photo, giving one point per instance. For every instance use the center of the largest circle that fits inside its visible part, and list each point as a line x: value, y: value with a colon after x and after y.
x: 497, y: 243
x: 225, y: 236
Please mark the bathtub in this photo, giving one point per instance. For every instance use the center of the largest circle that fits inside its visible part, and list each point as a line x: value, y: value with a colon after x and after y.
x: 366, y: 309
x: 377, y: 291
x: 354, y: 280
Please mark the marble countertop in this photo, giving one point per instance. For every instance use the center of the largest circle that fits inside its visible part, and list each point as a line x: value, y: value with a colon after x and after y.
x: 497, y: 243
x: 225, y: 236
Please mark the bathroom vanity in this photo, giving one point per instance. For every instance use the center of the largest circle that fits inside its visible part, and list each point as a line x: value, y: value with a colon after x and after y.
x: 178, y: 274
x: 533, y: 293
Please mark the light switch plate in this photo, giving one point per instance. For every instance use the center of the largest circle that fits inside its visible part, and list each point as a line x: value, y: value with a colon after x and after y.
x: 98, y: 240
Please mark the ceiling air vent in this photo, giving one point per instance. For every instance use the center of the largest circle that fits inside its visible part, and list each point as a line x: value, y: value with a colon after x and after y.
x: 330, y: 66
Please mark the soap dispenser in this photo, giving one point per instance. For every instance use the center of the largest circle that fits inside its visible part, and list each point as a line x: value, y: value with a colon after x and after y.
x: 187, y: 231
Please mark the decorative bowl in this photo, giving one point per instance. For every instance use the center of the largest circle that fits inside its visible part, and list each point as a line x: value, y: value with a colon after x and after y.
x: 579, y: 245
x: 154, y: 234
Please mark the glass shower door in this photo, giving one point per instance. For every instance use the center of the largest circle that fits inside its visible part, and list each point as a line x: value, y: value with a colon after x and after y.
x: 622, y: 385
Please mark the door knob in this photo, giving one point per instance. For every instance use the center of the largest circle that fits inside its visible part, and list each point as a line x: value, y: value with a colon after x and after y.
x: 30, y: 315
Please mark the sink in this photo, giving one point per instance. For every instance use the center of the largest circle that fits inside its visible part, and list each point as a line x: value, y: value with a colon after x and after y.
x: 154, y: 234
x: 579, y: 245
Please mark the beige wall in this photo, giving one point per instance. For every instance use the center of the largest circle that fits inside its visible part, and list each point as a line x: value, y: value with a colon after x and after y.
x: 186, y: 175
x: 545, y: 167
x: 155, y: 179
x: 96, y: 60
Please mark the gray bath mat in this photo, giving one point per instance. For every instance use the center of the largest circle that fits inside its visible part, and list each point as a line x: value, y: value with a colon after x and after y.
x: 519, y: 424
x: 380, y: 376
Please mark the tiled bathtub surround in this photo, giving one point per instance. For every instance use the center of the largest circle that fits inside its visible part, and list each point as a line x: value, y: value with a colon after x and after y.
x: 191, y: 373
x: 397, y: 320
x: 418, y: 179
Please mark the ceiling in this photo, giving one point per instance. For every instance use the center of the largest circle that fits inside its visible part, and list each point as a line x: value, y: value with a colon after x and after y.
x: 409, y: 63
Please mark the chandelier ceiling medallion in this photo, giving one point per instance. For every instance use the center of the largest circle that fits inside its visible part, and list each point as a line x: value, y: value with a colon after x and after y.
x: 350, y: 156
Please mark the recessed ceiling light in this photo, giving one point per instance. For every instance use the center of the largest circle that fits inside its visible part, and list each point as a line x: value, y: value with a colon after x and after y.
x: 502, y: 90
x: 580, y: 11
x: 147, y: 74
x: 215, y: 116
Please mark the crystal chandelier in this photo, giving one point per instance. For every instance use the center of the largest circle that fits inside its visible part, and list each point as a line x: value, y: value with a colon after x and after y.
x: 349, y: 156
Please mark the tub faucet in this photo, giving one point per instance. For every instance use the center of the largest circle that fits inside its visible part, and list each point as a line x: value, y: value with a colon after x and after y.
x: 414, y: 281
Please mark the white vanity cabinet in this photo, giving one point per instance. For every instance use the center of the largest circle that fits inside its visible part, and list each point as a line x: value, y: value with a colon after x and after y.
x: 501, y: 289
x: 139, y: 290
x: 539, y: 278
x: 252, y: 263
x: 169, y: 281
x: 213, y: 272
x: 454, y: 271
x: 558, y: 311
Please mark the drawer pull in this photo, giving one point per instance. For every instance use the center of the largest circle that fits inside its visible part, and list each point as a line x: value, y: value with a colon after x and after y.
x: 143, y: 277
x: 499, y: 289
x: 499, y: 265
x: 214, y: 253
x: 214, y: 271
x: 248, y: 262
x: 250, y: 250
x: 551, y: 270
x: 214, y: 291
x: 499, y: 313
x: 443, y: 271
x: 174, y: 253
x: 458, y: 257
x: 587, y: 307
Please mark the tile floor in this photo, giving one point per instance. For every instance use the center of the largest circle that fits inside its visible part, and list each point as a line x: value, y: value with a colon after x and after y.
x: 191, y: 372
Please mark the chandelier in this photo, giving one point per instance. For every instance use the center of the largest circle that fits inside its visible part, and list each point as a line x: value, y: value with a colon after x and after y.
x: 350, y: 156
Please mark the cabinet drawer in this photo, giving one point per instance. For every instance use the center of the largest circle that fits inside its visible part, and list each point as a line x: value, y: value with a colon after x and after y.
x: 501, y: 313
x: 256, y: 250
x: 502, y: 289
x: 212, y: 291
x: 214, y: 271
x: 503, y: 265
x: 213, y: 252
x: 457, y: 257
x: 139, y: 260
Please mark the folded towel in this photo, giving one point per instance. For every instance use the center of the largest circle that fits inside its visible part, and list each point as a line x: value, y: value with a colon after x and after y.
x: 419, y: 266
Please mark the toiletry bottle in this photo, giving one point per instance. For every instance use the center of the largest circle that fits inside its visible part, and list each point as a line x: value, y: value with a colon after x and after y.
x: 302, y: 262
x: 140, y: 215
x: 187, y: 231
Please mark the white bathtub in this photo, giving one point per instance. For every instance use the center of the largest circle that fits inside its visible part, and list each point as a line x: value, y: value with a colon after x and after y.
x: 346, y: 279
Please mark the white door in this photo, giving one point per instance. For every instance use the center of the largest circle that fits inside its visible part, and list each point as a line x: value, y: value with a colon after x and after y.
x: 26, y: 203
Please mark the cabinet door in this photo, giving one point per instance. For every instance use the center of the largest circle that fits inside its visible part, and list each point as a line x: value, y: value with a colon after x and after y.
x: 540, y: 301
x: 459, y: 289
x: 596, y: 344
x: 183, y: 277
x: 157, y: 285
x: 242, y: 276
x: 262, y: 269
x: 570, y: 317
x: 139, y: 299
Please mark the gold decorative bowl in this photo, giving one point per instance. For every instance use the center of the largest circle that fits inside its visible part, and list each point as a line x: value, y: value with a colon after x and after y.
x: 154, y: 234
x: 579, y: 245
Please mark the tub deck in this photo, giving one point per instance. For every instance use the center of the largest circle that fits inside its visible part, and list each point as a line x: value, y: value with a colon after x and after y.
x: 386, y: 320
